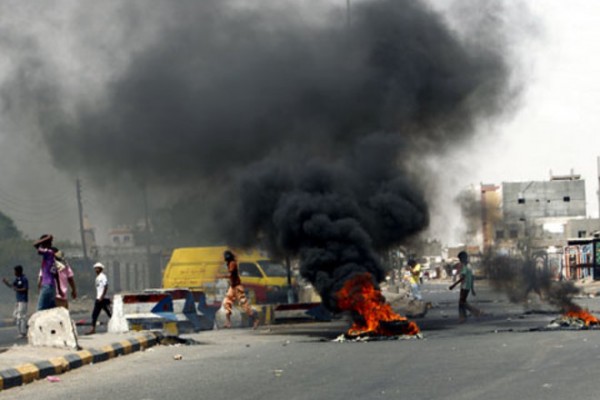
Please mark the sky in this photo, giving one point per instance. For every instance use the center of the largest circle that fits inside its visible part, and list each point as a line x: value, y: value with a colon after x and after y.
x: 550, y: 127
x: 554, y: 128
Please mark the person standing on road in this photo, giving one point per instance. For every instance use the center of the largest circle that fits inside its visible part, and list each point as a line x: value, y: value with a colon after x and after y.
x: 47, y: 281
x: 66, y: 280
x: 415, y: 278
x: 236, y: 292
x: 21, y: 287
x: 467, y: 286
x: 102, y: 302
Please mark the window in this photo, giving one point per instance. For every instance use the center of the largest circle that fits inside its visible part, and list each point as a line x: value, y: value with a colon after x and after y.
x: 513, y: 234
x: 566, y: 199
x: 126, y: 238
x: 499, y: 234
x: 116, y: 239
x: 273, y: 268
x: 581, y: 234
x: 521, y: 200
x: 249, y: 270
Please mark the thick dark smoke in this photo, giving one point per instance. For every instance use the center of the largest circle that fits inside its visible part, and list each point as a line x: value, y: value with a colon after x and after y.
x: 522, y: 278
x: 309, y: 132
x: 333, y: 216
x: 221, y: 88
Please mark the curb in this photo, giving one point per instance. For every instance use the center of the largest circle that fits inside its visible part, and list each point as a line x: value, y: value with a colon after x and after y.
x: 30, y: 372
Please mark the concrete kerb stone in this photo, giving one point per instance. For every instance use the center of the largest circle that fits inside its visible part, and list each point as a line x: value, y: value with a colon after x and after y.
x: 29, y: 372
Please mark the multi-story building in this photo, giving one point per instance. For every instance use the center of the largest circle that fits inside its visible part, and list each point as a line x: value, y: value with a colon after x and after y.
x: 535, y: 214
x: 130, y: 265
x: 582, y: 228
x: 560, y: 197
x: 491, y: 212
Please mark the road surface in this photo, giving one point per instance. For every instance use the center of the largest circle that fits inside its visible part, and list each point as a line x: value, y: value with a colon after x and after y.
x: 496, y: 357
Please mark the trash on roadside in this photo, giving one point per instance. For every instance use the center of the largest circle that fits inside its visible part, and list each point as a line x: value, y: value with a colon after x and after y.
x: 52, y: 378
x: 177, y: 357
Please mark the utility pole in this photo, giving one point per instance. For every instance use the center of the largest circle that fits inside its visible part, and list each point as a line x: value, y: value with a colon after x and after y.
x: 148, y: 250
x: 290, y: 293
x: 81, y: 229
x: 348, y: 12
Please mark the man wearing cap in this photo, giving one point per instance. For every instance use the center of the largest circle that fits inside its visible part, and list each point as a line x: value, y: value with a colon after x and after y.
x: 102, y: 302
x: 46, y: 284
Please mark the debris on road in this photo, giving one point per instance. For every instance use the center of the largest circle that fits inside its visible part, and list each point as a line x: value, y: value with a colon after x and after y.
x: 376, y: 338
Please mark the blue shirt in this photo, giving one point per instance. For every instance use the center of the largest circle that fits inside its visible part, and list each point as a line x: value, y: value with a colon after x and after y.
x: 21, y: 282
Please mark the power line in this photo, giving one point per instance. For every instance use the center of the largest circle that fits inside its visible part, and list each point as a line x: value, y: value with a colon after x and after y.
x: 34, y: 201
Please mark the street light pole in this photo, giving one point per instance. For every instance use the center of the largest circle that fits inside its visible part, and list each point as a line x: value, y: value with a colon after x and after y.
x: 348, y: 12
x: 81, y: 227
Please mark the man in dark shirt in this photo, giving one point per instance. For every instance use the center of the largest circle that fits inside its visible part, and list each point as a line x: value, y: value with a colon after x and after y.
x: 21, y: 287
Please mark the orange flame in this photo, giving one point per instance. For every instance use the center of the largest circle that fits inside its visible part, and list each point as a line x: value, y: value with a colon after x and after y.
x: 359, y: 295
x: 583, y: 315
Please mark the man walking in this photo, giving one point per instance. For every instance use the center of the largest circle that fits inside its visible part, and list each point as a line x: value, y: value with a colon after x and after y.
x: 102, y: 302
x: 467, y: 286
x: 21, y: 287
x: 236, y: 292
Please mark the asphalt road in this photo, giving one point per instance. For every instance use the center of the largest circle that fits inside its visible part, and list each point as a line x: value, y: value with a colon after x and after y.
x: 500, y: 356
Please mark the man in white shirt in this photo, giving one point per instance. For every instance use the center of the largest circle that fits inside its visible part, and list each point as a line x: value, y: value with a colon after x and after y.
x: 102, y: 302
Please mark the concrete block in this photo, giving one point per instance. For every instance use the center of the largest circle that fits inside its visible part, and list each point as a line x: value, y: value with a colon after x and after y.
x: 170, y: 310
x: 52, y: 328
x: 118, y: 323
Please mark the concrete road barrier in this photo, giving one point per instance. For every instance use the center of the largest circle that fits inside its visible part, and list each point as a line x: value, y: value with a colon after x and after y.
x: 52, y: 328
x: 172, y: 311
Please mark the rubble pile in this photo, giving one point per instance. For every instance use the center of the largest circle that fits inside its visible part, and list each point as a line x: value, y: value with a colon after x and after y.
x: 375, y: 338
x: 575, y: 319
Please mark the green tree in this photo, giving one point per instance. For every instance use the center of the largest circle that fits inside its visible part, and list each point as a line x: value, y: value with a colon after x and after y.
x: 8, y: 230
x: 14, y: 249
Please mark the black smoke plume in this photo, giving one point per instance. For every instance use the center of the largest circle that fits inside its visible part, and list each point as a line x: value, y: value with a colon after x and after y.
x: 523, y: 278
x: 306, y: 133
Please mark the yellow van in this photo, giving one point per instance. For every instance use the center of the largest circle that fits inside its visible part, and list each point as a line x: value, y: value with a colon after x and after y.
x: 203, y: 269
